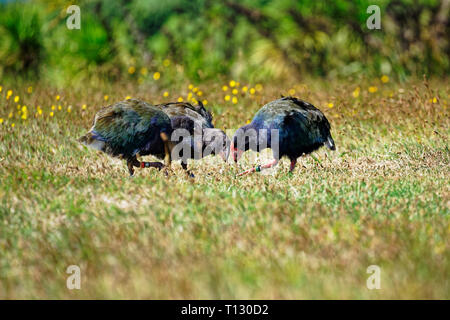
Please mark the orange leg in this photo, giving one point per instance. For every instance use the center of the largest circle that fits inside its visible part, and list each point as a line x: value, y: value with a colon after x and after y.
x: 271, y: 164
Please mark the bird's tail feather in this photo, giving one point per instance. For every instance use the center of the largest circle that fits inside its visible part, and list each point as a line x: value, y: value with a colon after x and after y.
x: 330, y: 143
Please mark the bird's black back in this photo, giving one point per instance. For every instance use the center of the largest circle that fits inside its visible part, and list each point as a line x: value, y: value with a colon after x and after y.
x: 302, y: 128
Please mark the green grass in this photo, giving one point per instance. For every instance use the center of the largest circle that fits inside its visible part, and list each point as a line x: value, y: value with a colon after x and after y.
x: 382, y: 198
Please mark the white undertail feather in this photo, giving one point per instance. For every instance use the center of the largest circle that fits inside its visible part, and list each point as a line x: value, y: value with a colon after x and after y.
x: 97, y: 145
x: 330, y: 143
x: 89, y: 141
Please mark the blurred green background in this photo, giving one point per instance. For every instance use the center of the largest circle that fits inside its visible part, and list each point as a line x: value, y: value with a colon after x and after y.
x: 201, y: 40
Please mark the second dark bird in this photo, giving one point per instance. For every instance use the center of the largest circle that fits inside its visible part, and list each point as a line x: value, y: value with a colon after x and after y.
x: 203, y: 138
x: 299, y: 128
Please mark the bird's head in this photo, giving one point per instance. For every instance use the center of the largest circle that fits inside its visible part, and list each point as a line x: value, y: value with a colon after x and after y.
x: 215, y: 141
x: 244, y: 139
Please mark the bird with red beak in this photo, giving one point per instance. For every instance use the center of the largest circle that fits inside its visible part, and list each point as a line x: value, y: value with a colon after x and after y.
x: 289, y: 126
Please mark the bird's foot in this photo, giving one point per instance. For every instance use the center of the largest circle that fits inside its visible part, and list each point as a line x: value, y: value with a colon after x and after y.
x: 251, y: 170
x: 167, y: 171
x: 258, y: 168
x: 157, y: 165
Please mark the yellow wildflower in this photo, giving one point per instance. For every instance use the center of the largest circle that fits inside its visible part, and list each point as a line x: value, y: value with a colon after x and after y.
x: 69, y: 109
x: 252, y: 91
x: 1, y: 88
x: 235, y: 91
x: 244, y: 89
x: 355, y: 93
x: 9, y: 93
x: 29, y: 89
x: 144, y: 71
x: 434, y: 100
x: 10, y: 115
x: 106, y: 97
x: 13, y: 125
x: 225, y: 88
x: 234, y: 100
x: 330, y: 105
x: 51, y: 114
x: 385, y: 79
x: 53, y: 107
x: 131, y: 70
x: 24, y: 116
x: 291, y: 92
x: 180, y: 99
x: 373, y: 89
x: 195, y: 89
x: 194, y: 101
x: 1, y: 120
x: 258, y: 87
x: 205, y: 102
x: 248, y: 121
x: 200, y: 93
x: 156, y: 75
x: 191, y: 86
x: 227, y: 98
x: 165, y: 94
x: 166, y: 62
x: 232, y: 83
x: 59, y: 107
x: 16, y: 99
x: 127, y: 97
x: 57, y: 98
x: 24, y: 109
x: 189, y: 96
x: 39, y: 111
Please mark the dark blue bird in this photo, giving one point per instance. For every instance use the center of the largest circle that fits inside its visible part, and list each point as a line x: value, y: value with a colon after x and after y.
x: 289, y: 126
x: 129, y: 129
x: 203, y: 138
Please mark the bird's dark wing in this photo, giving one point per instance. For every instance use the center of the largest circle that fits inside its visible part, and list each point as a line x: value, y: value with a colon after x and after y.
x: 127, y: 126
x: 205, y: 113
x: 196, y: 113
x: 305, y: 120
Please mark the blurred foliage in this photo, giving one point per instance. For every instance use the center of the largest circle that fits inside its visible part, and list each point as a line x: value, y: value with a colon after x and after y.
x: 21, y: 45
x: 203, y: 39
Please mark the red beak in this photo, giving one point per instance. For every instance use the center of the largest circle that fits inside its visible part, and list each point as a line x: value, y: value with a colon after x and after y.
x: 235, y: 153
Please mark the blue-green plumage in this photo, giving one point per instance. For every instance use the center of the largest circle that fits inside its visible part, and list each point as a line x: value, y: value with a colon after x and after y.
x: 301, y: 128
x: 129, y: 128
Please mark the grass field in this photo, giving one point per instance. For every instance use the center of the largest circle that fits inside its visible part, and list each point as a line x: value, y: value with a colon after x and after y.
x: 381, y: 198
